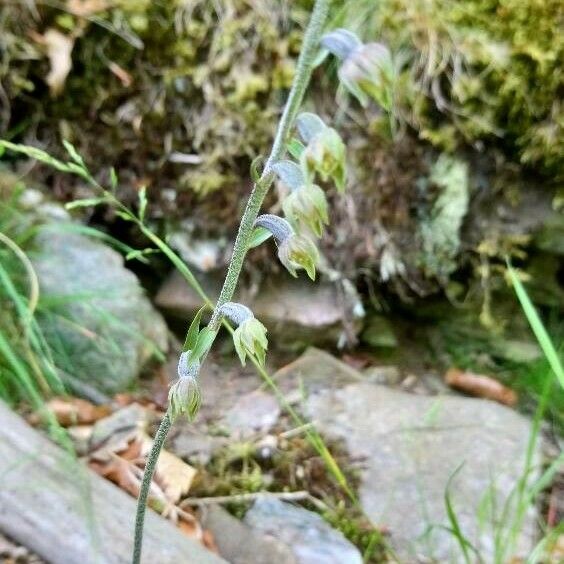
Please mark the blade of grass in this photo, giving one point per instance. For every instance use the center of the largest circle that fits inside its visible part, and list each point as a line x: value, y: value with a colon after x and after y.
x: 537, y: 326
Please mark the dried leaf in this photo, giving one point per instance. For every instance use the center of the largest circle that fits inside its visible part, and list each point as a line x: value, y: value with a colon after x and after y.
x: 86, y: 8
x: 74, y: 411
x: 173, y: 473
x: 481, y: 386
x: 59, y: 49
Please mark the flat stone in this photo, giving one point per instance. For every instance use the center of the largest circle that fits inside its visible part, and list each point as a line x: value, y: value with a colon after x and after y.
x: 177, y: 298
x: 295, y: 312
x: 412, y: 446
x: 101, y: 326
x: 240, y: 544
x: 314, y: 370
x: 256, y: 412
x: 306, y: 534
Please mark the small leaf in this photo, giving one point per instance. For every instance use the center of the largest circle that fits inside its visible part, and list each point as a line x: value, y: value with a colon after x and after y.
x: 142, y: 202
x: 126, y: 216
x: 193, y: 331
x: 113, y: 178
x: 73, y: 153
x: 85, y: 203
x: 140, y: 254
x: 255, y: 174
x: 290, y: 173
x: 259, y: 236
x: 295, y: 148
x: 309, y: 125
x: 204, y: 342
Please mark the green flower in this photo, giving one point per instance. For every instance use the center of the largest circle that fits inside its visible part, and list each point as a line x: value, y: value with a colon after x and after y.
x: 184, y: 396
x: 250, y: 338
x: 367, y: 70
x: 298, y: 252
x: 325, y: 154
x: 250, y: 335
x: 294, y: 251
x: 307, y: 205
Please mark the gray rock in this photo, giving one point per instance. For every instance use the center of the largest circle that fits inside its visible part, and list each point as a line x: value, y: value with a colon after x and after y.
x: 385, y: 375
x: 412, y: 446
x: 254, y: 412
x: 314, y: 370
x: 101, y: 327
x: 295, y: 312
x: 240, y: 544
x: 309, y: 537
x: 176, y: 297
x: 298, y: 312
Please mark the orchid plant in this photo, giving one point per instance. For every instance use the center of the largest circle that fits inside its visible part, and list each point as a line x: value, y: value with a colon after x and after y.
x: 304, y: 150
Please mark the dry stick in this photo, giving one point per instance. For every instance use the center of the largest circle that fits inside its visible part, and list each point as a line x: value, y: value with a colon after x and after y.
x: 295, y: 98
x: 241, y: 498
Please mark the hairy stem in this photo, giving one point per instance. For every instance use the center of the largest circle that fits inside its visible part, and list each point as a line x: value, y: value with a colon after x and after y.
x: 295, y: 98
x: 158, y: 443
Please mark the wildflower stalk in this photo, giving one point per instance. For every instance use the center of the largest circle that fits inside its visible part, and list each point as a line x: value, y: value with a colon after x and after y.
x: 301, y: 80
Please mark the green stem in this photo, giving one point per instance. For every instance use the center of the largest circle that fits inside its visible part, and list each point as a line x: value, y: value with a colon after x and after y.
x: 158, y: 443
x: 260, y: 189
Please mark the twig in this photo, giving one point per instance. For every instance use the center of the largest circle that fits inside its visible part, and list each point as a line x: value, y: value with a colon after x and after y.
x: 242, y: 498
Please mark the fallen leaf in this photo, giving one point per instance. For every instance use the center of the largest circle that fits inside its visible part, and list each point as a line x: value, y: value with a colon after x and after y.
x: 86, y: 7
x: 74, y: 411
x: 121, y: 73
x: 175, y: 475
x: 481, y: 386
x: 59, y: 50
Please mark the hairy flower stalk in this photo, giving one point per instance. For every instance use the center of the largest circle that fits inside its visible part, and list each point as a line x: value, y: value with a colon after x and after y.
x: 301, y: 80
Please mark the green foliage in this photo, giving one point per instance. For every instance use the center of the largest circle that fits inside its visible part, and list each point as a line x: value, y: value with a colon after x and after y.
x: 475, y: 70
x: 27, y: 369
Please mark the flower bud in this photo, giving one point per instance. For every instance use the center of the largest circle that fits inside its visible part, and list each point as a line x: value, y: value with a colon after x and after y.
x: 297, y: 252
x: 185, y: 396
x: 307, y: 205
x: 325, y: 154
x: 369, y: 72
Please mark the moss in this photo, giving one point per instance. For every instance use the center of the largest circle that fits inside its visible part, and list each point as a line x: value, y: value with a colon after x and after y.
x: 486, y: 69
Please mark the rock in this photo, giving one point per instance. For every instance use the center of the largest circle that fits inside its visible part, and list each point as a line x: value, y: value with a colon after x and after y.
x: 412, y: 446
x: 299, y: 312
x: 177, y: 298
x: 385, y: 375
x: 314, y: 370
x: 100, y: 326
x: 240, y: 544
x: 378, y: 333
x: 254, y: 412
x: 53, y: 504
x: 306, y: 534
x: 195, y: 445
x: 295, y: 312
